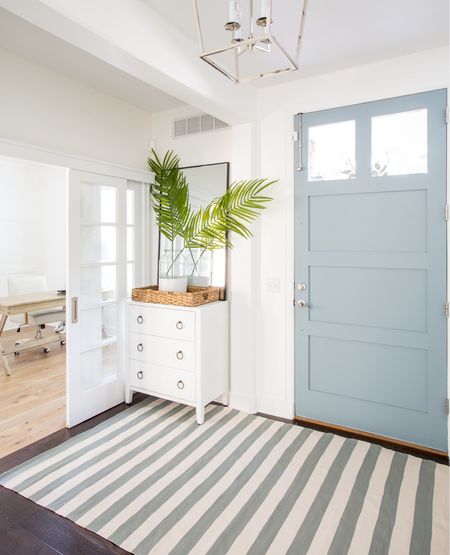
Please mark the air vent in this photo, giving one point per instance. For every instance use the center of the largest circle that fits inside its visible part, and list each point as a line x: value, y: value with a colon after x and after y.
x: 193, y: 125
x: 180, y: 128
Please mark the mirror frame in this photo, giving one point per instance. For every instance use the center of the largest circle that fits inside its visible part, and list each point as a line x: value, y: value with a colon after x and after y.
x: 227, y: 185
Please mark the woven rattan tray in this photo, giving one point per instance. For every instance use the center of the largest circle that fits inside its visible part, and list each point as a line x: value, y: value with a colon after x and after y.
x: 195, y: 296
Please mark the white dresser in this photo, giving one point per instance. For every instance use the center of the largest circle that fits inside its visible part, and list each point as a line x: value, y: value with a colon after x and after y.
x: 179, y: 353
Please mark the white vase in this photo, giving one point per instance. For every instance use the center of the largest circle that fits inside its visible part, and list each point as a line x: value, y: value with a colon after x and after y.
x: 199, y: 281
x: 173, y: 284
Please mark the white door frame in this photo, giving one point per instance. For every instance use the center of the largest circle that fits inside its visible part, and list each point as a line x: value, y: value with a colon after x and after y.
x: 41, y: 155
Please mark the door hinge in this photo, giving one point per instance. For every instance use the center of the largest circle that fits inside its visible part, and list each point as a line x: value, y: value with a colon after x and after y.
x: 446, y: 212
x: 446, y: 310
x: 447, y: 407
x: 297, y: 138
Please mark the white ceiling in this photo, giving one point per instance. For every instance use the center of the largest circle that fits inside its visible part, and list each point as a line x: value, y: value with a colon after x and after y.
x: 345, y: 33
x: 31, y: 42
x: 338, y: 34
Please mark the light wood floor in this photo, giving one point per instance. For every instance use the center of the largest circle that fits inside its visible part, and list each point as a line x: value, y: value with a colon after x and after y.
x: 33, y: 398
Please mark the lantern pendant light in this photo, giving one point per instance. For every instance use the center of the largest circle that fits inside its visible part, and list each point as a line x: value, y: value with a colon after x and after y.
x: 248, y: 47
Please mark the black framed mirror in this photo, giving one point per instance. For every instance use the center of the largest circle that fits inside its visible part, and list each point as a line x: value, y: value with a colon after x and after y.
x: 206, y: 182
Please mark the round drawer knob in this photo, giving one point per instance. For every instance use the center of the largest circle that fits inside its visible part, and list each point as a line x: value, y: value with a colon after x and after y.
x: 140, y: 347
x: 180, y: 355
x: 140, y: 375
x: 180, y: 385
x: 179, y: 325
x: 140, y: 319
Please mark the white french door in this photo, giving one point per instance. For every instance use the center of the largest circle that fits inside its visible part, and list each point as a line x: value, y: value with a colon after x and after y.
x: 97, y: 291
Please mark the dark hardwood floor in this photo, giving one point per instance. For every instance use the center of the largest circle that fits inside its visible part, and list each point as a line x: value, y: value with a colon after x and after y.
x: 29, y: 529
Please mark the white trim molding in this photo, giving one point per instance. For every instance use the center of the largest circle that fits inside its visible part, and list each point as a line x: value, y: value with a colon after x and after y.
x: 45, y: 156
x: 283, y: 408
x: 242, y: 402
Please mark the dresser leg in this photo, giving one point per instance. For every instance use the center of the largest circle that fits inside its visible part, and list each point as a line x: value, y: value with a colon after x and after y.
x: 200, y: 411
x: 225, y: 398
x: 128, y: 396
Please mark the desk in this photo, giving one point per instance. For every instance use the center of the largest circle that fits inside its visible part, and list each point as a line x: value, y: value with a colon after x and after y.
x: 22, y: 304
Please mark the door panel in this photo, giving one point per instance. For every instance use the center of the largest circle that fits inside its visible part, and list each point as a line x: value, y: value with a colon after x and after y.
x: 363, y: 297
x: 334, y: 218
x: 384, y: 374
x: 97, y: 274
x: 370, y: 252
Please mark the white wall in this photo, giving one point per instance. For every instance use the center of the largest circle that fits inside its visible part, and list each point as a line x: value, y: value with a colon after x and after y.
x: 236, y: 145
x: 275, y: 243
x: 32, y: 226
x: 193, y: 150
x: 43, y: 108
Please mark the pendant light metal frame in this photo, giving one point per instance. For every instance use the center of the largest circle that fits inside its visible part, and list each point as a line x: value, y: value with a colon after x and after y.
x: 258, y: 42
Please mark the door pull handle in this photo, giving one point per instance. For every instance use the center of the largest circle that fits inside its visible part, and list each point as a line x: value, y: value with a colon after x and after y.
x: 74, y: 310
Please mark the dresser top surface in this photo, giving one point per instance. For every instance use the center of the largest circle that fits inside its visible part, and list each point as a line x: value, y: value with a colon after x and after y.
x: 176, y: 307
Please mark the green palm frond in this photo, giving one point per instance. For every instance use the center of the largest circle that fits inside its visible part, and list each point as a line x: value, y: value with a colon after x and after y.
x: 240, y: 205
x: 170, y: 195
x: 206, y: 228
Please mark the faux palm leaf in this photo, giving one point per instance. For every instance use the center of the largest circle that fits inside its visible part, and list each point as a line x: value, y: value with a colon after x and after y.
x: 207, y: 228
x: 170, y: 194
x: 240, y: 205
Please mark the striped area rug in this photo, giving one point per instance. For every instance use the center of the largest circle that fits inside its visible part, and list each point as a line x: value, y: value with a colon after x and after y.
x: 152, y: 481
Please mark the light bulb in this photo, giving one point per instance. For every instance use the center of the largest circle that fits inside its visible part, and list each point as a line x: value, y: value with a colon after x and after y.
x: 263, y: 14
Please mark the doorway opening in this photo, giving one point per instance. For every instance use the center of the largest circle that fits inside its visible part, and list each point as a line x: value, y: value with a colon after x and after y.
x: 32, y: 302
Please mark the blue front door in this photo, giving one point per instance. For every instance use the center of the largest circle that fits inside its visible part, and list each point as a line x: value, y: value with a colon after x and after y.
x: 370, y: 268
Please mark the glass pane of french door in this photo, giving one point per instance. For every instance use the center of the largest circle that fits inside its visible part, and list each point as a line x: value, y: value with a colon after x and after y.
x: 97, y: 287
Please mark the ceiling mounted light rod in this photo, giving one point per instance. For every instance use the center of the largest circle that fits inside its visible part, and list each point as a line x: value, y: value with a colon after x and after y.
x: 242, y: 46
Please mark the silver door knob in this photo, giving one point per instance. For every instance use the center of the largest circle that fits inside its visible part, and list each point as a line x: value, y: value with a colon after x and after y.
x: 180, y: 385
x: 180, y: 355
x: 140, y: 347
x: 179, y: 325
x: 140, y: 319
x: 140, y: 375
x: 303, y: 304
x: 302, y: 286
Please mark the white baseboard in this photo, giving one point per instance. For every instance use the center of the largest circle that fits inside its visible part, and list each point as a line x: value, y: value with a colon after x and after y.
x: 275, y: 407
x: 246, y: 403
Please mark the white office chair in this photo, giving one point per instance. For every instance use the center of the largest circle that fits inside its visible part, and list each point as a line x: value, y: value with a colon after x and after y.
x: 39, y: 318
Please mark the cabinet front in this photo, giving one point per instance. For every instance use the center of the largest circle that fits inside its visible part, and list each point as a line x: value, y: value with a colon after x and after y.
x: 160, y: 380
x: 162, y: 351
x: 161, y: 322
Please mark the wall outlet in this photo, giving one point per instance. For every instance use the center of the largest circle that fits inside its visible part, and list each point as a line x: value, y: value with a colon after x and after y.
x: 273, y: 285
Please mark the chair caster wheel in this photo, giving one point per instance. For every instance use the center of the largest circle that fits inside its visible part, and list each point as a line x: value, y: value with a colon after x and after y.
x: 63, y: 342
x: 46, y: 350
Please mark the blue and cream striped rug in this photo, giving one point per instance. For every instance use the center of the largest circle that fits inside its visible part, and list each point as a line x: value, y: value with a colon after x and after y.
x: 152, y: 481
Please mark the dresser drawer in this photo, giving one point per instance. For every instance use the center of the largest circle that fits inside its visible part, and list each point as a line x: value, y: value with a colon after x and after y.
x: 165, y: 352
x: 164, y: 381
x: 175, y: 324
